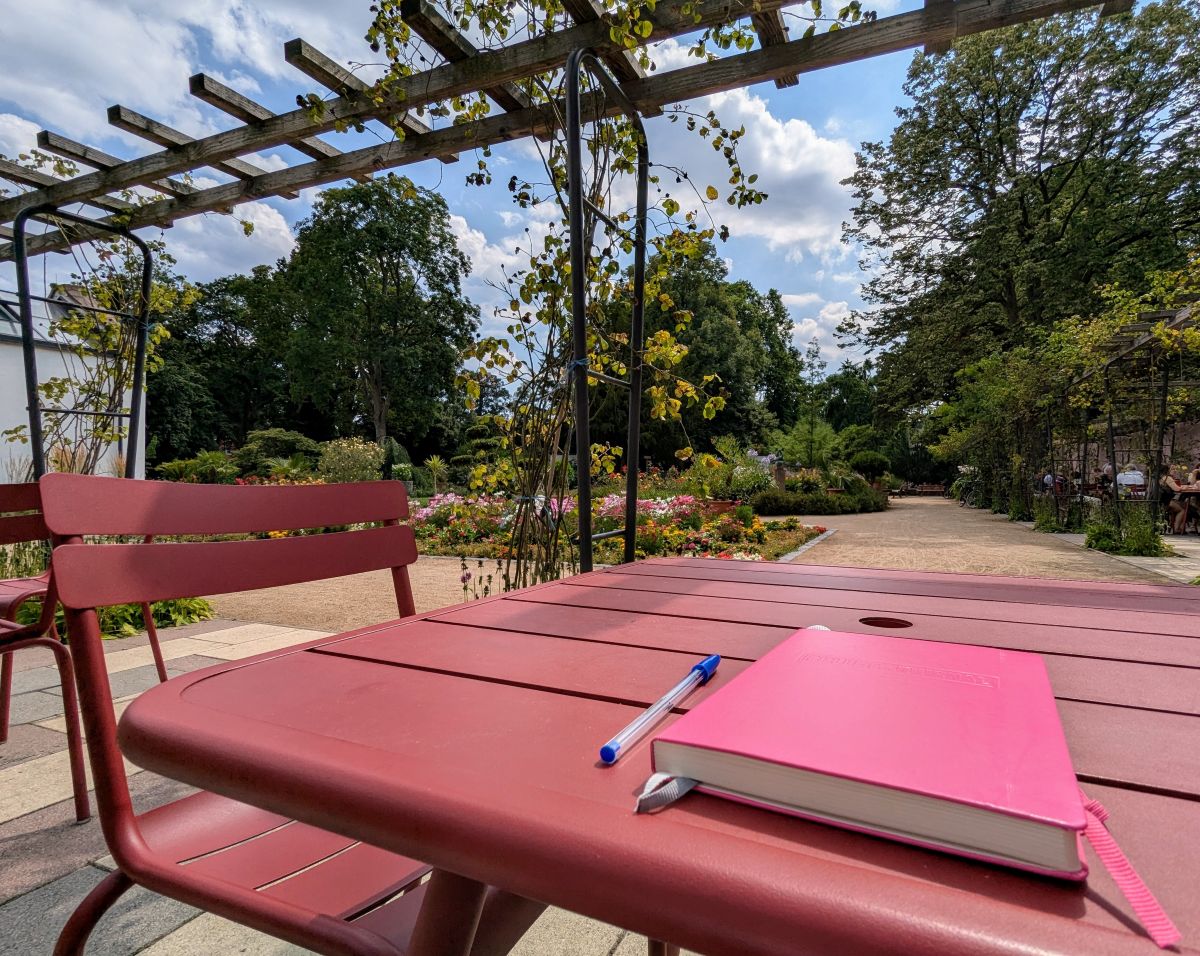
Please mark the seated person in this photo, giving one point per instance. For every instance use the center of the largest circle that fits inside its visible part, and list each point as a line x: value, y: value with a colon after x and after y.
x: 1168, y: 496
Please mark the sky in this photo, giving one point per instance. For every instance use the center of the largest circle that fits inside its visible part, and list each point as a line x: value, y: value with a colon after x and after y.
x: 67, y: 61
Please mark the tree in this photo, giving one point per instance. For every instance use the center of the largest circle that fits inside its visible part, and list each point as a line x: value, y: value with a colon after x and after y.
x: 223, y: 374
x: 1034, y: 165
x: 376, y: 300
x: 851, y: 396
x: 813, y: 400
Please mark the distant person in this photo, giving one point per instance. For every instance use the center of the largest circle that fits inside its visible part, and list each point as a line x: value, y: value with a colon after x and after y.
x: 1172, y: 504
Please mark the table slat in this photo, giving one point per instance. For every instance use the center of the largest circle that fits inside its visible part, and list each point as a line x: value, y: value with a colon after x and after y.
x: 998, y: 589
x: 1047, y: 639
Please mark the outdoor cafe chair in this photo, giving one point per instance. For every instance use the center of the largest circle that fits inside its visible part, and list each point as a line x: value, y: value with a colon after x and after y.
x: 20, y: 522
x: 286, y: 878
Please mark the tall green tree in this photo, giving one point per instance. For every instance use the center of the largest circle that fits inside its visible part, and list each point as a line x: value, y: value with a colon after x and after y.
x: 1034, y: 165
x: 375, y: 300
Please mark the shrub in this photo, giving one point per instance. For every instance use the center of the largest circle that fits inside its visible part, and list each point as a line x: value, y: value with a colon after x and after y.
x: 853, y: 501
x: 870, y: 464
x: 402, y: 471
x: 422, y: 481
x: 1135, y: 536
x: 125, y: 620
x: 807, y: 480
x: 207, y: 468
x: 1045, y: 514
x: 350, y: 459
x: 262, y: 446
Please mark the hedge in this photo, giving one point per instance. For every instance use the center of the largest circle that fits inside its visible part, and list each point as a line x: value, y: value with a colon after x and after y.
x: 776, y: 502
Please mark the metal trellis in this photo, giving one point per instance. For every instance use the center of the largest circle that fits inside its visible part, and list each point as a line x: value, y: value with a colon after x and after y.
x: 50, y: 214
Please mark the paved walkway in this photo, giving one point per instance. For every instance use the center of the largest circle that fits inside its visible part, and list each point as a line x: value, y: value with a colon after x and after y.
x: 935, y: 534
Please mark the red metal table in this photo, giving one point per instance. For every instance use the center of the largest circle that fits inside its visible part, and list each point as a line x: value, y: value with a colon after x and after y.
x: 467, y: 738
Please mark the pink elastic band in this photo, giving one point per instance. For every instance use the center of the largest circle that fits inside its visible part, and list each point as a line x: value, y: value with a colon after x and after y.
x: 1153, y: 917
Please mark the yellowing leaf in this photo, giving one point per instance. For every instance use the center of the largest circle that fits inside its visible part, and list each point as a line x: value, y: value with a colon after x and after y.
x: 711, y: 192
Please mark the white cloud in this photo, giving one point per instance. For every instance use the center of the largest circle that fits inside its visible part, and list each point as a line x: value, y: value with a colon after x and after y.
x: 210, y: 246
x: 17, y: 135
x: 798, y: 300
x: 799, y: 168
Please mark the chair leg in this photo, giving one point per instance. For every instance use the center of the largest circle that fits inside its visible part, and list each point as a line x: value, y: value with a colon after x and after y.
x: 66, y: 676
x: 656, y: 947
x: 152, y: 633
x: 6, y: 672
x: 74, y: 936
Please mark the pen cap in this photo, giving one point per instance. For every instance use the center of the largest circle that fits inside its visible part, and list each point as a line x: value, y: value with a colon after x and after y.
x: 707, y: 667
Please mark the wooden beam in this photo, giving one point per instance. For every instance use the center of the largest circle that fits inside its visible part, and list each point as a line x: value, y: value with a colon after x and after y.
x: 32, y: 177
x: 772, y: 31
x: 902, y: 31
x: 943, y: 46
x: 622, y: 62
x: 227, y: 100
x: 450, y: 43
x: 888, y: 35
x: 133, y: 122
x: 514, y: 62
x: 98, y: 159
x: 1114, y: 8
x: 333, y: 76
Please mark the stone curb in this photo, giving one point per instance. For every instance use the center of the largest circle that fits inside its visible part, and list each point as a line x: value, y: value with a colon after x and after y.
x: 792, y: 555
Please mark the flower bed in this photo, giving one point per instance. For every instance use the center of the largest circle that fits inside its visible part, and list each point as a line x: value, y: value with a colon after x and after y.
x: 681, y: 525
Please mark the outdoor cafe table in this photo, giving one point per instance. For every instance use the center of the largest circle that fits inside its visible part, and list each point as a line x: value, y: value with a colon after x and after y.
x: 468, y: 737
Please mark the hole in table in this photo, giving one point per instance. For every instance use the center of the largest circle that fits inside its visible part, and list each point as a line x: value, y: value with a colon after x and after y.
x: 884, y: 622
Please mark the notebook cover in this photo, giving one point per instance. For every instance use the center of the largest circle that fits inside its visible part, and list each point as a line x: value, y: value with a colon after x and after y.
x: 974, y: 725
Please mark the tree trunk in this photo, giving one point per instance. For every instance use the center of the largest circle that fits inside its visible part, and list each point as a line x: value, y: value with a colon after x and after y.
x: 379, y: 403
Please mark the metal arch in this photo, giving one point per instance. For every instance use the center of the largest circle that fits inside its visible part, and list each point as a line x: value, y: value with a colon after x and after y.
x: 47, y: 213
x: 576, y: 63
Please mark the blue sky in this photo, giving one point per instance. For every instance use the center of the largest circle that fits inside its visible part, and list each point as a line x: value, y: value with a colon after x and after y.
x: 66, y: 61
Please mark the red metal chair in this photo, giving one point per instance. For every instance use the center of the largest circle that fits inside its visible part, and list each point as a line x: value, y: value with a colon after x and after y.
x: 291, y: 880
x: 21, y: 521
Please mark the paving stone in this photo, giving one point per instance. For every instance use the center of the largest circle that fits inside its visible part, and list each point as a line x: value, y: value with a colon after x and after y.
x: 126, y: 683
x: 31, y: 923
x: 27, y: 741
x: 30, y: 658
x: 193, y: 662
x: 39, y: 783
x: 36, y: 678
x: 129, y: 658
x: 560, y: 933
x: 59, y: 723
x: 241, y: 633
x: 48, y: 844
x: 211, y: 934
x: 237, y: 652
x: 36, y: 705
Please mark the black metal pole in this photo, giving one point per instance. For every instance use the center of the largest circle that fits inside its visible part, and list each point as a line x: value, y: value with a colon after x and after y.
x: 637, y: 335
x: 583, y: 432
x: 1112, y: 450
x: 139, y: 361
x: 27, y: 342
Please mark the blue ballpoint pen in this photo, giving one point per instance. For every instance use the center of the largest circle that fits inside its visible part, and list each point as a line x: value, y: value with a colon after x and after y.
x: 697, y: 676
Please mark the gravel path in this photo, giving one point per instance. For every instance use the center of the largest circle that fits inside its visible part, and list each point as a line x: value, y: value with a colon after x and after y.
x: 934, y: 534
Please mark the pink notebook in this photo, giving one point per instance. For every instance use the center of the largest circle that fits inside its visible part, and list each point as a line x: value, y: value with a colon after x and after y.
x: 948, y: 746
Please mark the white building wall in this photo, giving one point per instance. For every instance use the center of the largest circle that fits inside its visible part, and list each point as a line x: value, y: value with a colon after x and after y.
x: 51, y: 363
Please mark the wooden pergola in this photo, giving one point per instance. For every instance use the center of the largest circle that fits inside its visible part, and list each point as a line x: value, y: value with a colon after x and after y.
x: 465, y: 71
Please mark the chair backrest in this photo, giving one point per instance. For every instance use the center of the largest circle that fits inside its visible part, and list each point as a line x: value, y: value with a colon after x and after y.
x: 91, y: 575
x: 20, y: 514
x: 21, y: 520
x: 95, y: 575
